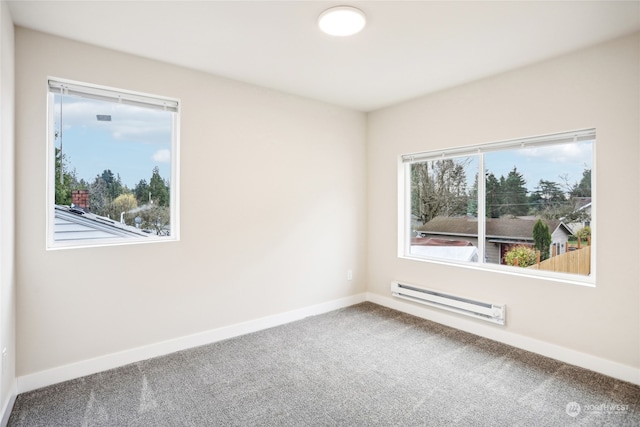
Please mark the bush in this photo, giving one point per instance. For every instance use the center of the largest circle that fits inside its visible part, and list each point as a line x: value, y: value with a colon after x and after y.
x: 525, y: 255
x: 583, y: 233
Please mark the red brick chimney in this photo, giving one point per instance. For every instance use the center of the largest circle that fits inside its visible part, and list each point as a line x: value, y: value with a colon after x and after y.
x: 80, y: 198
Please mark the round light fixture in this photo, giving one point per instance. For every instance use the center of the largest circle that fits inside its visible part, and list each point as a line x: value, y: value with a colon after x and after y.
x: 342, y: 21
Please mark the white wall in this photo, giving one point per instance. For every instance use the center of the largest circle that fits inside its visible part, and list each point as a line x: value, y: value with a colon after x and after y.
x: 598, y: 87
x: 272, y: 207
x: 7, y: 265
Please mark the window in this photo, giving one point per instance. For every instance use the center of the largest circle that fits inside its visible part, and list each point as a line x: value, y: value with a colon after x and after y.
x: 528, y: 212
x: 112, y: 166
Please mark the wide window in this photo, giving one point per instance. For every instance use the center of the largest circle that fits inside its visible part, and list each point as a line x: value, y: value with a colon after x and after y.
x: 112, y: 166
x: 528, y: 212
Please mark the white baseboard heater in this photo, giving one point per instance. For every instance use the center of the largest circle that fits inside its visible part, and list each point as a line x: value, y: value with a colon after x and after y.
x: 481, y: 310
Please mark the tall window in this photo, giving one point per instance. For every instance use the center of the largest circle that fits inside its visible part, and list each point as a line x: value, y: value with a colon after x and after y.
x: 112, y: 159
x: 529, y: 211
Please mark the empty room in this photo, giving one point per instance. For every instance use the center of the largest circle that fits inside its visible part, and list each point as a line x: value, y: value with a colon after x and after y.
x: 319, y: 213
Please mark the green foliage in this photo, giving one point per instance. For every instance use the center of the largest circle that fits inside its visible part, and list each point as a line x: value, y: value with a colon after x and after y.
x: 159, y: 189
x: 141, y: 191
x: 583, y: 189
x: 525, y: 256
x: 584, y: 233
x: 506, y: 196
x: 65, y: 181
x: 109, y: 197
x: 513, y: 193
x: 542, y: 239
x: 493, y: 196
x: 125, y: 202
x: 113, y: 184
x: 548, y: 200
x: 156, y: 219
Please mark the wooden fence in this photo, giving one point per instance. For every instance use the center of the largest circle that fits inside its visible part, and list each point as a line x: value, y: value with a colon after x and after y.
x: 574, y: 262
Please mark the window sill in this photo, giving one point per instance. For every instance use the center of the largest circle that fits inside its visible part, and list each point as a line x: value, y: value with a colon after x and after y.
x: 588, y: 281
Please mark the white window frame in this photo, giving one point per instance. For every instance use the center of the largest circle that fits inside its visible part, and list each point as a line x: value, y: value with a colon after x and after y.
x: 111, y: 94
x: 404, y: 203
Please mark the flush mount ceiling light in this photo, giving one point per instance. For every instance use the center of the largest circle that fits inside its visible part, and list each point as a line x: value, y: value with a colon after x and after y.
x: 342, y: 21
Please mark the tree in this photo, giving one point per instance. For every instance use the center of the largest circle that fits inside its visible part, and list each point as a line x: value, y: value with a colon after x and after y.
x: 157, y: 219
x: 472, y: 202
x: 99, y: 199
x: 583, y: 189
x: 65, y: 179
x: 493, y: 196
x: 113, y: 183
x: 549, y: 200
x: 438, y: 187
x: 514, y: 194
x: 123, y: 203
x: 542, y: 239
x: 159, y: 189
x: 141, y: 192
x: 522, y: 256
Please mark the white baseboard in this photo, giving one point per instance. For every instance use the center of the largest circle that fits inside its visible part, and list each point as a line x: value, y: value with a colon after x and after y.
x: 91, y: 366
x: 497, y: 333
x: 8, y: 404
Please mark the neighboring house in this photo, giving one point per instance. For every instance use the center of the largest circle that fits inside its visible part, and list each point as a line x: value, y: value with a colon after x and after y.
x: 583, y: 215
x: 72, y: 223
x: 502, y: 234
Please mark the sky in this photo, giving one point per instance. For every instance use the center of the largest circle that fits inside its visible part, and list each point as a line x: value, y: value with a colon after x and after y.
x: 551, y: 163
x: 135, y: 141
x: 563, y: 164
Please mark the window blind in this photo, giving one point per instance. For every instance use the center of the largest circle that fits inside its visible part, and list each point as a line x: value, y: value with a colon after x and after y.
x: 113, y: 95
x: 558, y: 138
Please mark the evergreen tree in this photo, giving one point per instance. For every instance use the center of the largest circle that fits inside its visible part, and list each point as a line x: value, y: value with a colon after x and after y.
x: 542, y: 239
x: 159, y: 189
x: 141, y: 191
x: 493, y: 196
x: 113, y: 183
x: 514, y: 194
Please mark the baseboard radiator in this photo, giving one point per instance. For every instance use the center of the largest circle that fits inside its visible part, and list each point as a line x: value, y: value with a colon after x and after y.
x: 481, y: 310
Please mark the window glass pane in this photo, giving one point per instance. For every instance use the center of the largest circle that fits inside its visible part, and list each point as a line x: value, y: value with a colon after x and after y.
x: 444, y: 209
x: 537, y: 200
x: 531, y: 210
x: 112, y: 170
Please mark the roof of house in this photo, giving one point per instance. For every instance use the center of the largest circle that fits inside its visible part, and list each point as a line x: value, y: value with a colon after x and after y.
x: 496, y: 228
x: 431, y: 241
x: 76, y: 224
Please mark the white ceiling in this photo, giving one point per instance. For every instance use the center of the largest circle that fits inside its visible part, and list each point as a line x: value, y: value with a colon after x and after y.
x: 408, y: 49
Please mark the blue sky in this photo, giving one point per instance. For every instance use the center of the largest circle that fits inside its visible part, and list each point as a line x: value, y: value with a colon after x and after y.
x: 551, y: 163
x: 134, y: 142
